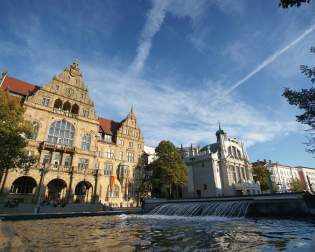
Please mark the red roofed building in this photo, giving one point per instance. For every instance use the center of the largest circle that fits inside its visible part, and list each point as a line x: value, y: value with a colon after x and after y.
x: 87, y: 158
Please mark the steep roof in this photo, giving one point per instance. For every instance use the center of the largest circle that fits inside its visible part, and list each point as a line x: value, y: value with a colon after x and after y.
x: 18, y: 86
x: 109, y: 126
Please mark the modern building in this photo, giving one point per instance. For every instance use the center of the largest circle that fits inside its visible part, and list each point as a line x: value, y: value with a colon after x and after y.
x: 307, y: 175
x: 218, y: 169
x: 82, y: 157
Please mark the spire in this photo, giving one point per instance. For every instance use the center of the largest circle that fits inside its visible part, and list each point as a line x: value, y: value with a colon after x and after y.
x: 219, y: 126
x: 131, y: 109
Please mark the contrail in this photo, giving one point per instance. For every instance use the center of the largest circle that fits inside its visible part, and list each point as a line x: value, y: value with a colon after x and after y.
x: 269, y: 60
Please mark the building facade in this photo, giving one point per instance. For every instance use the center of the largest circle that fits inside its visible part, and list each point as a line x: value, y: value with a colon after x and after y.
x: 219, y: 169
x: 282, y: 175
x: 82, y: 156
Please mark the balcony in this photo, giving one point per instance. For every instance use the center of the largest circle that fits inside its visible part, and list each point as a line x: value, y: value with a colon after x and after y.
x: 64, y: 112
x: 59, y: 147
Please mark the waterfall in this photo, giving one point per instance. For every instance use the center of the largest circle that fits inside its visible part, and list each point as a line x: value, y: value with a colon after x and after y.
x: 216, y: 208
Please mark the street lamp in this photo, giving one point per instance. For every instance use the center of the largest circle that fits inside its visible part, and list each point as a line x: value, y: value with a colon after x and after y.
x: 43, y: 171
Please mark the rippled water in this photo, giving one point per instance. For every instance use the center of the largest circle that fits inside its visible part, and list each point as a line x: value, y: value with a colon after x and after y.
x: 164, y: 233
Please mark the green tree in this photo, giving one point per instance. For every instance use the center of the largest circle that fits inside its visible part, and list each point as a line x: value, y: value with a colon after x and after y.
x: 261, y: 173
x: 14, y: 131
x: 297, y: 185
x: 305, y: 101
x: 291, y: 3
x: 169, y: 171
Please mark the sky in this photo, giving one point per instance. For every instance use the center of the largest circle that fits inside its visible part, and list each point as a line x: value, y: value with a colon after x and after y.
x: 184, y: 65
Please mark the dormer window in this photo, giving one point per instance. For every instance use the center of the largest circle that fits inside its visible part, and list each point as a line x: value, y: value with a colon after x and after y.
x: 108, y: 138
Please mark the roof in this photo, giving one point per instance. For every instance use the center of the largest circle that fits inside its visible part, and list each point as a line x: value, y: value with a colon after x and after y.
x: 213, y: 147
x: 17, y: 86
x: 109, y: 126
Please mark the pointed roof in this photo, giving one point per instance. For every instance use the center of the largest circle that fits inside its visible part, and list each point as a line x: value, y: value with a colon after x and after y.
x: 18, y: 86
x: 109, y: 126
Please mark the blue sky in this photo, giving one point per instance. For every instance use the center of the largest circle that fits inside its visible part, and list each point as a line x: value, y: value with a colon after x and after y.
x: 184, y: 65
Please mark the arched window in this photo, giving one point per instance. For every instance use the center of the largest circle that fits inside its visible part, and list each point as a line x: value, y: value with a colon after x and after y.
x: 86, y: 142
x: 58, y: 104
x: 67, y: 106
x: 239, y: 154
x: 230, y: 151
x: 61, y: 132
x: 35, y: 130
x: 23, y: 185
x: 75, y: 109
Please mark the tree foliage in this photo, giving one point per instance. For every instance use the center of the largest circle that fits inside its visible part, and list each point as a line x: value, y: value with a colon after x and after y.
x: 305, y: 101
x: 291, y: 3
x: 168, y: 170
x: 261, y: 173
x: 14, y: 131
x: 297, y: 185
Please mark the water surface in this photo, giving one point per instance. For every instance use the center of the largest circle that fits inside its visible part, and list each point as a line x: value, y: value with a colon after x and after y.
x: 164, y: 233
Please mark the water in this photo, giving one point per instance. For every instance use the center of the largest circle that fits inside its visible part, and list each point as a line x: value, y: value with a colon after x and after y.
x: 164, y: 233
x: 224, y: 208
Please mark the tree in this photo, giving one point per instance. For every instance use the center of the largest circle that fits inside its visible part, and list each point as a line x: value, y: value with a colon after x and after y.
x: 261, y: 173
x: 297, y: 185
x: 305, y: 100
x: 14, y: 131
x: 291, y: 3
x: 168, y: 171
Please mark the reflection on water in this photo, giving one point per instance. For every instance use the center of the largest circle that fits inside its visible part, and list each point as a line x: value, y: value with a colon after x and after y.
x: 164, y: 233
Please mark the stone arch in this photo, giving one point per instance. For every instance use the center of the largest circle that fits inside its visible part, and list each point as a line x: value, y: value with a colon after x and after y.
x: 58, y: 104
x: 75, y: 109
x: 24, y: 185
x: 67, y: 106
x: 83, y: 192
x: 57, y: 189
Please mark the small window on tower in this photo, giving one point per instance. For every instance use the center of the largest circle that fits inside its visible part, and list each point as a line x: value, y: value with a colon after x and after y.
x: 205, y: 187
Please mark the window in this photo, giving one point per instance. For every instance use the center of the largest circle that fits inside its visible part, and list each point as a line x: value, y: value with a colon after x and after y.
x: 130, y: 156
x: 126, y: 132
x: 108, y: 170
x: 86, y: 142
x: 67, y: 161
x: 35, y: 130
x: 205, y: 187
x: 116, y: 191
x: 139, y: 146
x: 110, y: 154
x: 83, y: 164
x: 57, y: 159
x: 130, y: 144
x: 46, y: 158
x: 108, y: 138
x: 45, y: 101
x: 85, y: 113
x: 61, y: 132
x: 121, y: 142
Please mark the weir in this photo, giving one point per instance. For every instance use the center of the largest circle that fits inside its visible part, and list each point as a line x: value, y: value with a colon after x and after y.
x: 278, y: 205
x: 224, y: 209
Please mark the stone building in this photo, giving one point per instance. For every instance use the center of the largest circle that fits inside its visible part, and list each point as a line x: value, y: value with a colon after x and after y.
x: 219, y: 169
x: 82, y: 156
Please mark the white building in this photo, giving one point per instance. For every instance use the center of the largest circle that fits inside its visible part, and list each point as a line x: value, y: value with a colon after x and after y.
x: 282, y: 175
x: 149, y: 152
x: 218, y: 169
x: 308, y: 176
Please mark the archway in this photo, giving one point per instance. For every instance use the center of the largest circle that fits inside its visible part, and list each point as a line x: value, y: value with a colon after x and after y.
x: 75, y: 109
x: 57, y: 189
x: 58, y: 104
x: 83, y: 192
x: 23, y: 185
x: 67, y: 106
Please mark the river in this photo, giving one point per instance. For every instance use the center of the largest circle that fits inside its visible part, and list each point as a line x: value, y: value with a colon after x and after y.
x: 164, y: 233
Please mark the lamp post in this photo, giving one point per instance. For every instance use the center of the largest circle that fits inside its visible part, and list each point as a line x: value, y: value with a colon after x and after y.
x: 43, y: 171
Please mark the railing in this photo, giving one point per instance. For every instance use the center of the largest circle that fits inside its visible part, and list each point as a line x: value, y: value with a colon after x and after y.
x: 60, y: 147
x: 74, y: 169
x: 64, y: 112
